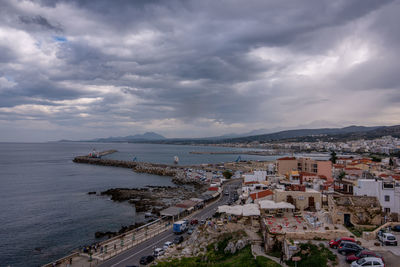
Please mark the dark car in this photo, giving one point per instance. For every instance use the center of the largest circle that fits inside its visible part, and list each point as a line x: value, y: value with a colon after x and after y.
x: 346, y: 248
x: 194, y: 221
x: 178, y: 240
x: 396, y: 228
x: 334, y: 243
x: 146, y: 259
x: 363, y: 254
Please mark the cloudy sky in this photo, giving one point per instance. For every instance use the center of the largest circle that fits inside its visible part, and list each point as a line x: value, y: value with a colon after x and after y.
x: 85, y: 69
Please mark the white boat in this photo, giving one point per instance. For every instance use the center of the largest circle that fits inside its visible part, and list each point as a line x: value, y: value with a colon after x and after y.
x: 176, y: 160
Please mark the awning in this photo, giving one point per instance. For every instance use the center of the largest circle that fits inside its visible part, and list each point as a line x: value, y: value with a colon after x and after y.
x: 271, y: 205
x: 172, y: 211
x: 245, y: 210
x: 197, y: 199
x: 251, y: 210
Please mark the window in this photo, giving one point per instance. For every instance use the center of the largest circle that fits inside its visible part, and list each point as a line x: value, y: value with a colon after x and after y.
x: 388, y: 186
x: 387, y: 198
x: 387, y: 210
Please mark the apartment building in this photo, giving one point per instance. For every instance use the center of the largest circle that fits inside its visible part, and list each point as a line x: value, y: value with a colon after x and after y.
x: 320, y: 167
x: 387, y: 191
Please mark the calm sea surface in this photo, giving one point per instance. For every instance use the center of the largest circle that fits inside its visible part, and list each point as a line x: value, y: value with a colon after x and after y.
x: 45, y: 211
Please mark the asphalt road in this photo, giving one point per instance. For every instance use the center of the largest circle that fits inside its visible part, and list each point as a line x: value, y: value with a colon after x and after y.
x: 133, y: 255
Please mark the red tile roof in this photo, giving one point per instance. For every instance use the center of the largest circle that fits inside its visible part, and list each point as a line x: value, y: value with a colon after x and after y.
x: 338, y: 166
x: 213, y: 188
x: 251, y: 182
x: 261, y: 194
x: 287, y: 158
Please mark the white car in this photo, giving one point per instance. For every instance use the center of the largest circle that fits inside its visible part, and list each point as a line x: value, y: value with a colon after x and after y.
x: 158, y: 252
x: 387, y: 238
x: 167, y: 245
x: 370, y: 261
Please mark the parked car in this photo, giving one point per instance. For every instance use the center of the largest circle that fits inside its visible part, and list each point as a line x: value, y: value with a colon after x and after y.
x: 146, y: 259
x: 194, y: 221
x: 363, y: 254
x: 387, y: 238
x: 178, y: 239
x: 190, y: 231
x: 346, y: 248
x: 158, y: 252
x: 334, y: 243
x: 396, y: 228
x: 369, y: 261
x: 167, y: 245
x: 226, y: 193
x: 202, y: 221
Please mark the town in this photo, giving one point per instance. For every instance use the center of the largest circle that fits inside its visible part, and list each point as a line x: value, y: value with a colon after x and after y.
x: 344, y: 209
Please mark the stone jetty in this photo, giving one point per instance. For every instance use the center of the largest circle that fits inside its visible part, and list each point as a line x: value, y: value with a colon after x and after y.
x: 176, y: 172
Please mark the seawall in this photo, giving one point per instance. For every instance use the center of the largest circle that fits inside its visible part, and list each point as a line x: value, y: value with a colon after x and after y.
x: 176, y: 172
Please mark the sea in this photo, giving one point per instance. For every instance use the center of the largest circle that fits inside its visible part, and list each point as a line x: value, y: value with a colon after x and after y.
x: 45, y: 209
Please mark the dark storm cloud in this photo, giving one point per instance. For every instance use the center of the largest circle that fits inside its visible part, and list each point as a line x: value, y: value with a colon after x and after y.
x: 41, y: 22
x: 138, y: 63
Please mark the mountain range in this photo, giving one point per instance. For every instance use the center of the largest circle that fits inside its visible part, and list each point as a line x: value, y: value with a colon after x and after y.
x: 299, y: 135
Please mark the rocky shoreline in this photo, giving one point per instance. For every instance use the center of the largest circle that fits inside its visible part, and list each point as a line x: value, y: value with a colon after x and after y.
x: 153, y: 199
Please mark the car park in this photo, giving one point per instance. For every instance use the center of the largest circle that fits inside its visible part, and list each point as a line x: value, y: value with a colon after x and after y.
x: 387, y: 238
x: 346, y: 248
x: 178, y: 240
x: 334, y: 243
x: 369, y: 261
x: 363, y: 254
x: 167, y: 245
x: 146, y: 259
x: 158, y: 252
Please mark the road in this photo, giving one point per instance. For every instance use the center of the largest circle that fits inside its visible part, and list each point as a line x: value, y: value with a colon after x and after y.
x: 133, y: 255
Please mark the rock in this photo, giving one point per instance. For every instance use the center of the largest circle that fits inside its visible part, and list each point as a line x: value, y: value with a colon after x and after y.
x: 230, y: 248
x: 187, y: 251
x: 92, y: 193
x: 240, y: 244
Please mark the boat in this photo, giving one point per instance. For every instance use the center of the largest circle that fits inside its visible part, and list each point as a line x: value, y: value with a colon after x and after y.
x: 176, y: 160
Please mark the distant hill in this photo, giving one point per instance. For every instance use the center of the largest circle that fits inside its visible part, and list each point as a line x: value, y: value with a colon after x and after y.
x: 149, y: 136
x: 301, y: 135
x: 315, y: 133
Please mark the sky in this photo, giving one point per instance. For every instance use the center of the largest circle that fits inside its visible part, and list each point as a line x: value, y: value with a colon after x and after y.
x: 86, y: 69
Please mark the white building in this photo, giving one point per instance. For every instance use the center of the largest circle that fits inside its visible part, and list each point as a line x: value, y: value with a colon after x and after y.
x: 387, y: 191
x: 256, y: 176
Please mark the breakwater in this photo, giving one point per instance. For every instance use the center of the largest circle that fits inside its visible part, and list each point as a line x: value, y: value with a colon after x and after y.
x: 176, y: 172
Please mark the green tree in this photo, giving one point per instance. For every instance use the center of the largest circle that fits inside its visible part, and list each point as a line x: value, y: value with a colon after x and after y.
x: 333, y: 157
x: 227, y: 174
x: 391, y: 163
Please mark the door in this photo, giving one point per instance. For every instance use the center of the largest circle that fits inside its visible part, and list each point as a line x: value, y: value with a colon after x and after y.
x: 347, y: 220
x: 311, y: 203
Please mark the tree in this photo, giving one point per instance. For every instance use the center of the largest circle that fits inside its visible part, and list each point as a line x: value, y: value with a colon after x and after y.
x: 342, y: 174
x: 227, y: 174
x: 333, y: 157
